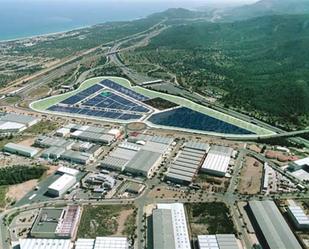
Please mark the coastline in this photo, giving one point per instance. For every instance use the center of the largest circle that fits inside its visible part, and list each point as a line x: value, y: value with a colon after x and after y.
x: 63, y: 31
x: 47, y: 34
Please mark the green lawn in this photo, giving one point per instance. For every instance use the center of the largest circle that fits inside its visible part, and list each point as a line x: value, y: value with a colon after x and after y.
x: 103, y: 221
x: 209, y: 218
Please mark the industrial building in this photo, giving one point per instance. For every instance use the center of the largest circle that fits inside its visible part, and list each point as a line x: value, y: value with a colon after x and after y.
x: 7, y: 127
x: 170, y: 229
x: 298, y: 216
x: 19, y: 118
x: 56, y: 222
x: 300, y: 169
x: 45, y: 244
x: 151, y: 138
x: 20, y: 149
x: 68, y: 171
x: 47, y: 142
x: 271, y: 228
x: 187, y: 163
x: 217, y: 241
x: 61, y: 185
x: 77, y: 157
x: 144, y: 163
x: 53, y: 153
x: 102, y: 243
x: 138, y: 159
x: 93, y: 137
x: 217, y: 160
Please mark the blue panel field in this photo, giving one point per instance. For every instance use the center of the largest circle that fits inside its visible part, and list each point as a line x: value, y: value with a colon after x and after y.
x: 189, y: 119
x: 106, y: 99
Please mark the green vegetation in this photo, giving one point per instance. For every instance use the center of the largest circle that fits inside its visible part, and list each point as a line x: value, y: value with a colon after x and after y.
x: 160, y: 103
x: 42, y: 128
x: 103, y: 221
x: 254, y: 66
x: 209, y: 218
x: 20, y: 173
x: 3, y: 191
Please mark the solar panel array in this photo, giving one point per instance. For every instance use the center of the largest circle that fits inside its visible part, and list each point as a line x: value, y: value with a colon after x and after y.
x: 113, y: 101
x: 89, y: 112
x: 81, y: 95
x: 124, y: 90
x: 95, y: 102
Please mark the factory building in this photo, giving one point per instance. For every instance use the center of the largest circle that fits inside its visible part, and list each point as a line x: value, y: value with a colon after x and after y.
x: 145, y: 138
x: 66, y: 170
x: 56, y: 223
x: 217, y: 161
x: 170, y: 229
x: 218, y: 241
x: 114, y: 163
x: 61, y: 185
x: 187, y: 163
x: 46, y: 142
x: 45, y: 244
x: 299, y: 169
x: 25, y: 120
x: 144, y: 163
x: 77, y: 157
x: 7, y: 127
x: 53, y: 153
x: 20, y: 149
x: 93, y: 137
x: 271, y: 228
x: 103, y: 243
x: 138, y: 159
x: 298, y: 215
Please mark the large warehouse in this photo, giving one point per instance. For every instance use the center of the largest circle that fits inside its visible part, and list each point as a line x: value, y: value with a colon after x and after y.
x: 298, y: 215
x: 218, y: 241
x: 170, y: 229
x: 217, y: 160
x: 56, y: 223
x: 271, y: 228
x: 13, y: 123
x: 102, y: 243
x: 138, y: 159
x: 45, y: 244
x: 187, y: 163
x: 20, y: 149
x: 61, y: 185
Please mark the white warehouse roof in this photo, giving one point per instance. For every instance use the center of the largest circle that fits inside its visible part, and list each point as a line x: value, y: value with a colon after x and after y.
x: 178, y: 223
x: 299, y: 215
x: 69, y: 171
x: 45, y: 244
x: 62, y: 182
x: 217, y: 160
x: 84, y: 244
x: 111, y: 243
x: 218, y: 241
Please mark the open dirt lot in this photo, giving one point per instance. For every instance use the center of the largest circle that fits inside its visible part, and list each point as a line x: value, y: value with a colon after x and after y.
x: 250, y: 179
x: 18, y: 191
x: 122, y: 218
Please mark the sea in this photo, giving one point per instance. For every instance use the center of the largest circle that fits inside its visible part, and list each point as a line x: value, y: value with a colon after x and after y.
x: 25, y: 18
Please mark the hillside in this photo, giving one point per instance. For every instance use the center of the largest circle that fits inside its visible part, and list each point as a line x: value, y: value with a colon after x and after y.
x: 262, y: 64
x: 267, y: 7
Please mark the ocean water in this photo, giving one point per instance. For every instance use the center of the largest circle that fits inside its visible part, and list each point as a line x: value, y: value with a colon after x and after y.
x: 24, y: 18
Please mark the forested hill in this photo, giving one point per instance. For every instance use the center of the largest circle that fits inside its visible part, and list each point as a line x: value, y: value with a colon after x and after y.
x: 262, y: 63
x: 267, y: 7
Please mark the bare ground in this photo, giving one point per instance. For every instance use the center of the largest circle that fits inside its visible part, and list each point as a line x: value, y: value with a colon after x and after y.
x: 122, y: 218
x: 18, y: 191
